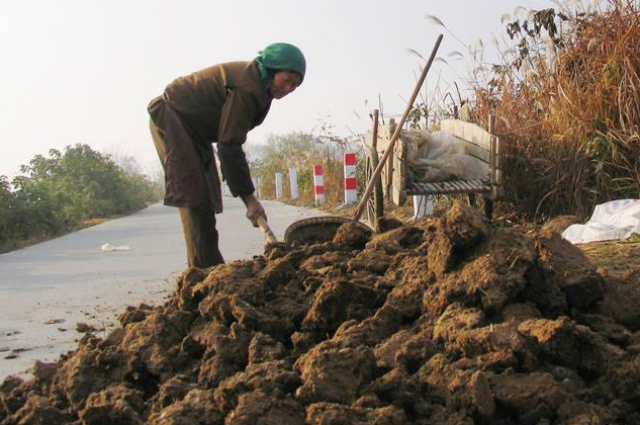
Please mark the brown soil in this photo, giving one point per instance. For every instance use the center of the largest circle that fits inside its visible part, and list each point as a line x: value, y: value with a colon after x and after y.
x: 447, y: 321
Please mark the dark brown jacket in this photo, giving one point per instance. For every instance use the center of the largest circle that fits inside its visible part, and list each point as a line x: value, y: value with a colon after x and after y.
x: 219, y: 104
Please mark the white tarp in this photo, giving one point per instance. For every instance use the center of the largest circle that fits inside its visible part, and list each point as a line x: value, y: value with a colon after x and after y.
x: 612, y: 220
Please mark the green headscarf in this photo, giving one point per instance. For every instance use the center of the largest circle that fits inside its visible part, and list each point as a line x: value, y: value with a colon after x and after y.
x: 281, y: 57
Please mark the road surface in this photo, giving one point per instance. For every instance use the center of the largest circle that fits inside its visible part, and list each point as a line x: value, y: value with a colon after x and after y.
x: 47, y: 289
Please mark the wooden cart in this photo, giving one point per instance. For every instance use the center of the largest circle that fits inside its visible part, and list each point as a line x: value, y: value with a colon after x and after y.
x: 393, y: 183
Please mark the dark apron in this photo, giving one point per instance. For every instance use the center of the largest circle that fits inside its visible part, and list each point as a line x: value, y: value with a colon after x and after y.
x: 191, y: 173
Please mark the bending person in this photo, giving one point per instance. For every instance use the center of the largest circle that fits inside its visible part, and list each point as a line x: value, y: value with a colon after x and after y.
x: 219, y: 104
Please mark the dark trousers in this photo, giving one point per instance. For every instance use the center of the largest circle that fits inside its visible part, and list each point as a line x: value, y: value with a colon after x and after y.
x: 198, y: 224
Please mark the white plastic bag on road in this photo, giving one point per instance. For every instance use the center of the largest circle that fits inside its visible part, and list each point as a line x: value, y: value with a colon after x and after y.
x: 612, y: 220
x: 109, y: 247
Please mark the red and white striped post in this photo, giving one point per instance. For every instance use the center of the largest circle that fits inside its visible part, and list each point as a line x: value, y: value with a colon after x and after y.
x: 350, y: 195
x: 318, y: 184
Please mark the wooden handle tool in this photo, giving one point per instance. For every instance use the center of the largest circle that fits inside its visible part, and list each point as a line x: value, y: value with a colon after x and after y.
x: 266, y: 230
x: 376, y: 173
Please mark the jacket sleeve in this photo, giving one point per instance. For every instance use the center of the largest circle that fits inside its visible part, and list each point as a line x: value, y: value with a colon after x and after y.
x: 237, y: 118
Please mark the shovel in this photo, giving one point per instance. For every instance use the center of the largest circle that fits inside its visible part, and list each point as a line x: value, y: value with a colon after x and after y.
x: 269, y: 236
x: 322, y: 229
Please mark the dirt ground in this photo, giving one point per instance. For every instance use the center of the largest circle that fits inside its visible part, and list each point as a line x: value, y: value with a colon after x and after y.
x: 448, y: 320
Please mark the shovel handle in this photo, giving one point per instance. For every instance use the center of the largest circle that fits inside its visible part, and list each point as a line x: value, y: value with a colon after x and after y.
x: 266, y: 230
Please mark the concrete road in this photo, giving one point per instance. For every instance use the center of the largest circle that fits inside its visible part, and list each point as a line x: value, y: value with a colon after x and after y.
x: 47, y: 289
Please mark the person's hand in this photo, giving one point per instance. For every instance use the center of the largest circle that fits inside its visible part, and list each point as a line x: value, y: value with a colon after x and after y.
x: 254, y: 209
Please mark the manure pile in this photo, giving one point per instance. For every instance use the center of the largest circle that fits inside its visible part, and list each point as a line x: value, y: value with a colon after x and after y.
x: 448, y: 321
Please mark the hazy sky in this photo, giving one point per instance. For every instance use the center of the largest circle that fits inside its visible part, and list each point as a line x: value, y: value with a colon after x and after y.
x: 83, y: 71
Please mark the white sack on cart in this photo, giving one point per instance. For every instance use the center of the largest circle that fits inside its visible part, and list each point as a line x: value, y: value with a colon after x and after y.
x: 612, y: 220
x: 450, y: 166
x: 440, y: 156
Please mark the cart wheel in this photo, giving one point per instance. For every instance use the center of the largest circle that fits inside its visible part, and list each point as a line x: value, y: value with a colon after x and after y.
x: 481, y: 202
x: 375, y: 203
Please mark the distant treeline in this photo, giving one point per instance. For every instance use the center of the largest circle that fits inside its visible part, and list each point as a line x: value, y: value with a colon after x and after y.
x: 302, y: 151
x: 62, y: 192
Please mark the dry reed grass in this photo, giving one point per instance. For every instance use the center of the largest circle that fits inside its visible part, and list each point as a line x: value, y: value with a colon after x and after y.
x: 572, y: 130
x: 615, y: 257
